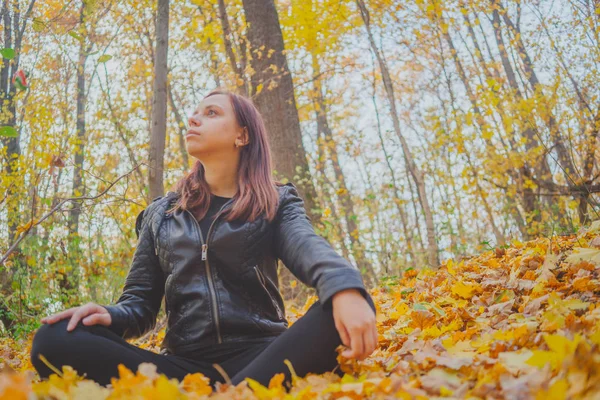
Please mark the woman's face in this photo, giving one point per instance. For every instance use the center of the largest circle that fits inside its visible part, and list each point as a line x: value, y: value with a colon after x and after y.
x: 213, y: 129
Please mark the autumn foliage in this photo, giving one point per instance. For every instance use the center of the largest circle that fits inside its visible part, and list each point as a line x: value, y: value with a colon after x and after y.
x: 520, y: 321
x: 429, y: 128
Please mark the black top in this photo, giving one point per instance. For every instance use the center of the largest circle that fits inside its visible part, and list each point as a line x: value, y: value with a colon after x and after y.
x: 216, y: 202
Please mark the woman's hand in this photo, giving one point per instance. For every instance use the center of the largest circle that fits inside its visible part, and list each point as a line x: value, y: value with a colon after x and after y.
x: 91, y: 313
x: 355, y: 321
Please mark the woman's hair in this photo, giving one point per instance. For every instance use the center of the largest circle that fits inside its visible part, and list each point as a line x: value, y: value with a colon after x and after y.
x: 257, y: 192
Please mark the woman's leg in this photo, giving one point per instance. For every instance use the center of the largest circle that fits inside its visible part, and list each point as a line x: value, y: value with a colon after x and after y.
x: 96, y: 352
x: 309, y: 344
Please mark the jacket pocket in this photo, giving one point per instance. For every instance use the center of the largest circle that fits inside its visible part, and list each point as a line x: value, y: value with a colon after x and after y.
x: 175, y: 324
x: 262, y: 280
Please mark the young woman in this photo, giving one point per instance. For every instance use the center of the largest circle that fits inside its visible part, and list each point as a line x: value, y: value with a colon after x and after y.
x: 211, y: 249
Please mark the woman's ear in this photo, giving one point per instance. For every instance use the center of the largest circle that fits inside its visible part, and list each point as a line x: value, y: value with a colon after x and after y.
x: 243, y: 138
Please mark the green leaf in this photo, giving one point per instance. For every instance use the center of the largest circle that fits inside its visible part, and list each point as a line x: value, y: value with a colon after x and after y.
x: 104, y: 58
x: 75, y: 35
x: 508, y: 294
x: 38, y: 25
x: 8, y: 131
x: 90, y: 6
x: 420, y: 307
x: 439, y: 310
x: 8, y: 53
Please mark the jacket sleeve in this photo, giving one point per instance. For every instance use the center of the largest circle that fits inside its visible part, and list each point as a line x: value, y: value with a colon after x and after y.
x: 308, y: 255
x: 135, y: 312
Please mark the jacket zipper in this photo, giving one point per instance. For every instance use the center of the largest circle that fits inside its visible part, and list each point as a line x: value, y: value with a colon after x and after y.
x: 261, y: 279
x: 211, y: 285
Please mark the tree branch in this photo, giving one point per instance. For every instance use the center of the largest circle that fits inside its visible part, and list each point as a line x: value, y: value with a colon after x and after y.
x: 34, y: 223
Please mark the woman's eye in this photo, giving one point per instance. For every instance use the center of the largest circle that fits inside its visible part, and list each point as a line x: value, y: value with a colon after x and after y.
x: 210, y: 111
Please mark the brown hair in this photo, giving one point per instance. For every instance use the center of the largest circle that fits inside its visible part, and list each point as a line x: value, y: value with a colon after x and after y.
x: 257, y: 192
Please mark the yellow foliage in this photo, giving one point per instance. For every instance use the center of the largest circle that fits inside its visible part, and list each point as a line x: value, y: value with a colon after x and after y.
x: 466, y: 290
x: 468, y: 329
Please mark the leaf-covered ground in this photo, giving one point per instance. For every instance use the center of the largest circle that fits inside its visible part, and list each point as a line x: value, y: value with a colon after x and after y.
x: 521, y: 322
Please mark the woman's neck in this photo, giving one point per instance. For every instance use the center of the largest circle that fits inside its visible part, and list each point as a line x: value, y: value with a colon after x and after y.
x: 221, y: 176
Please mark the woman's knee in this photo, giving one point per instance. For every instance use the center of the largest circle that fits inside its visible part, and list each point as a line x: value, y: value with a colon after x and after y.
x: 49, y: 339
x: 52, y: 340
x: 50, y: 332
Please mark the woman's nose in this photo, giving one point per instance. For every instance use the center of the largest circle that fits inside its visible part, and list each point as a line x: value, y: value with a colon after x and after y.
x: 193, y: 121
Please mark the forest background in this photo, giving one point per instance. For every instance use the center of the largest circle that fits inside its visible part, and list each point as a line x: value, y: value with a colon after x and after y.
x: 416, y: 131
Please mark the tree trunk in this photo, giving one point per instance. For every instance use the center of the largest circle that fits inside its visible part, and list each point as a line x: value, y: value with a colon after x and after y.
x: 273, y: 94
x: 564, y: 158
x: 433, y: 253
x: 159, y: 103
x: 410, y: 248
x: 530, y: 199
x: 241, y: 81
x: 69, y: 282
x: 13, y: 37
x: 121, y: 130
x: 181, y: 131
x: 482, y: 125
x: 345, y: 196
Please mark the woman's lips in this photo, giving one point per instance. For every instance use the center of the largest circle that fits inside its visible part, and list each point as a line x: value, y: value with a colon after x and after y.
x: 191, y: 132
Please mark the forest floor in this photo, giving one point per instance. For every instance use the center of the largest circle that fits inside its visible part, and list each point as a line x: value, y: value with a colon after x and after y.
x: 518, y: 322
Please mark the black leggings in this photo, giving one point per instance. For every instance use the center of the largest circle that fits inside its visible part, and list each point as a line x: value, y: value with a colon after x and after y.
x: 309, y: 344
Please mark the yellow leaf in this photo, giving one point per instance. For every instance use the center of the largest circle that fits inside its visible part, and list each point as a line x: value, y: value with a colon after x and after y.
x: 431, y: 332
x: 274, y: 391
x: 560, y: 347
x: 511, y: 334
x: 466, y: 290
x: 259, y: 88
x: 450, y: 267
x: 455, y: 325
x: 196, y: 383
x: 551, y: 321
x: 595, y: 337
x: 27, y: 226
x: 540, y: 358
x: 584, y: 254
x: 164, y: 388
x: 557, y: 391
x: 444, y: 391
x: 401, y: 309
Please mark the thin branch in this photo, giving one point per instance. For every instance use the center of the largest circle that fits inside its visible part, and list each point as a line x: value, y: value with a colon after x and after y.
x: 56, y: 208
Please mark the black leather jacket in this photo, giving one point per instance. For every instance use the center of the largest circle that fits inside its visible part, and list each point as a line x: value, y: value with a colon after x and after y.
x: 223, y: 288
